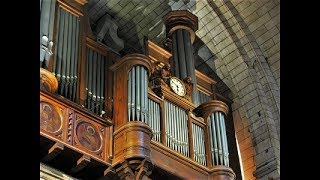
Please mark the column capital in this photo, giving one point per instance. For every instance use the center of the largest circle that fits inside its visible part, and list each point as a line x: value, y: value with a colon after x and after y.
x: 207, y: 108
x: 181, y: 19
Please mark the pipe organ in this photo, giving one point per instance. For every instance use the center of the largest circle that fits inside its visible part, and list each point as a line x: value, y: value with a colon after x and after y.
x: 176, y: 120
x: 66, y: 52
x: 138, y: 95
x: 148, y: 125
x: 95, y: 80
x: 218, y: 139
x: 154, y: 119
x: 199, y: 144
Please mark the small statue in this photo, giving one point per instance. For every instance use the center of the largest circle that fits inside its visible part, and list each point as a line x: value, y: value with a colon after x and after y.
x: 161, y: 75
x: 45, y: 51
x: 189, y: 87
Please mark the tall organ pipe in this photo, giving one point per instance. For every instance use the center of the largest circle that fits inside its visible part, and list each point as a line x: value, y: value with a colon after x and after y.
x: 72, y: 66
x: 64, y: 53
x: 175, y: 54
x: 129, y: 94
x: 102, y: 84
x: 218, y: 139
x: 98, y: 84
x: 138, y: 95
x: 90, y: 79
x: 68, y: 54
x: 60, y: 47
x: 94, y: 81
x: 76, y: 58
x: 133, y: 94
x: 181, y: 52
x: 57, y: 57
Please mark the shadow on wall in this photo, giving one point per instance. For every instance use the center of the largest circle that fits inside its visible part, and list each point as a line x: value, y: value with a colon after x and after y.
x: 204, y: 62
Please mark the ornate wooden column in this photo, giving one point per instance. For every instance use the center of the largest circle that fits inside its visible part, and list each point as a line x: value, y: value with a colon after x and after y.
x: 132, y: 136
x: 180, y: 28
x: 214, y: 113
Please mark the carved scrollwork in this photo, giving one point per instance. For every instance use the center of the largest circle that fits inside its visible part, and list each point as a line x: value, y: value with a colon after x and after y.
x: 137, y: 169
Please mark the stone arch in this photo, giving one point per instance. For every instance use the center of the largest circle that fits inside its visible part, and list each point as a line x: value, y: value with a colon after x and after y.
x: 246, y: 72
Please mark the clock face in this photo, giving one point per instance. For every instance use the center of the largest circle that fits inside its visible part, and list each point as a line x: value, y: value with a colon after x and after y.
x: 177, y: 86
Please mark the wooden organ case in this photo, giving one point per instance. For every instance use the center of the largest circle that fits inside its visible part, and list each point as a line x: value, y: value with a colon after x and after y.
x: 134, y: 117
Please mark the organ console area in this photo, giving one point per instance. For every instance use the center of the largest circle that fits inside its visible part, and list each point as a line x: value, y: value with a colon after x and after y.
x: 137, y: 116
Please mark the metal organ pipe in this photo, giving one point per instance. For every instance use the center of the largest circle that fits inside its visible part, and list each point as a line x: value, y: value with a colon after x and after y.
x: 157, y: 121
x: 56, y: 59
x: 58, y: 53
x: 66, y: 51
x: 175, y: 54
x: 68, y: 58
x: 102, y: 68
x: 76, y: 47
x: 129, y: 94
x: 217, y: 123
x: 213, y: 135
x: 133, y: 94
x: 218, y: 139
x: 138, y: 95
x: 94, y: 81
x: 72, y: 66
x: 225, y: 142
x: 98, y: 84
x: 166, y: 122
x: 176, y: 128
x: 89, y: 97
x: 181, y: 52
x: 211, y: 141
x: 198, y: 143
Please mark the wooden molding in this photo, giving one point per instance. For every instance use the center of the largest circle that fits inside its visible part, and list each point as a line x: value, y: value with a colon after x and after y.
x: 175, y: 163
x: 207, y: 108
x: 132, y: 141
x: 197, y: 120
x: 131, y: 60
x: 68, y: 7
x: 181, y: 19
x: 176, y: 99
x: 204, y: 90
x: 204, y: 83
x: 82, y: 2
x: 222, y: 172
x: 156, y: 53
x: 205, y: 78
x: 100, y: 48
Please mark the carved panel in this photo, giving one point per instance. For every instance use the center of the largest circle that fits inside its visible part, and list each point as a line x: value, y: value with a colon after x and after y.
x: 89, y: 136
x: 51, y: 119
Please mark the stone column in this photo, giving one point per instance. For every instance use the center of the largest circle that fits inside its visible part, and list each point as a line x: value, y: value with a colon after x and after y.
x: 180, y: 29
